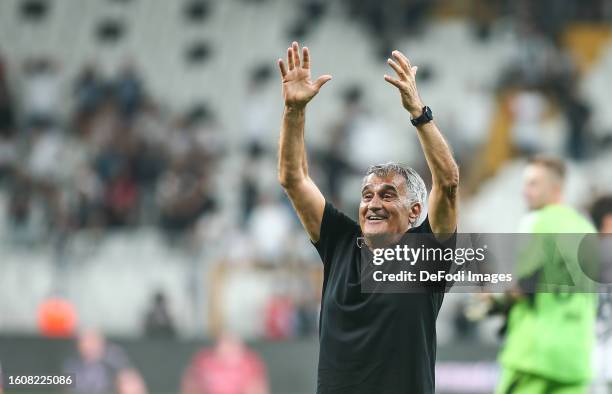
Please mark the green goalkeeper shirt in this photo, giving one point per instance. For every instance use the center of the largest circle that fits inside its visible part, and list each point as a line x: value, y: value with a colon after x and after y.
x: 553, y: 333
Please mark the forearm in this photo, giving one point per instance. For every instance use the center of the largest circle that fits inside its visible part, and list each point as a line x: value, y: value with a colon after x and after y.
x: 439, y: 158
x: 444, y: 170
x: 292, y: 167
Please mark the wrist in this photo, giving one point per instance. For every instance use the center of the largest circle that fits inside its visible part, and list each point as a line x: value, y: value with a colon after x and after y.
x: 293, y: 108
x: 416, y: 111
x: 422, y: 117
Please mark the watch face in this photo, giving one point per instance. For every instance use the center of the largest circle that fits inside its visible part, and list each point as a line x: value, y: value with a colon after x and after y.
x: 425, y: 117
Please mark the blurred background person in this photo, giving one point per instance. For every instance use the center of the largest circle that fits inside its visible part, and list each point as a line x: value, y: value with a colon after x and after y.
x: 550, y: 334
x: 158, y: 322
x: 41, y: 90
x: 98, y: 365
x: 601, y: 213
x: 129, y: 381
x: 230, y: 367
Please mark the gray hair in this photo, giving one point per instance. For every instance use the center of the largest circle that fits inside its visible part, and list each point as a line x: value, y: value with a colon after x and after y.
x: 415, y: 186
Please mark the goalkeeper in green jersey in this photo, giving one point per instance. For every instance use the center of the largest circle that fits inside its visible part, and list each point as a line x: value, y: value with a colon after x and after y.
x: 550, y: 335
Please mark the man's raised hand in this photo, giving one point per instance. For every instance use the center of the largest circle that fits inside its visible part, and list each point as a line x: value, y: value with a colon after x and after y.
x: 405, y: 82
x: 298, y: 89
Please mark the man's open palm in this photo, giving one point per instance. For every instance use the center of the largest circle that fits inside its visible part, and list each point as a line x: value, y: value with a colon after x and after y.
x: 298, y: 88
x: 405, y: 82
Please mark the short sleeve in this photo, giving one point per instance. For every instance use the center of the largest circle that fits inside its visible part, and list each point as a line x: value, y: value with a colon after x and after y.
x: 424, y: 227
x: 432, y: 242
x: 336, y: 230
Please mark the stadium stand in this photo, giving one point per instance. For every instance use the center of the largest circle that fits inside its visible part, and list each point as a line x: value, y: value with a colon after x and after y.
x: 205, y: 63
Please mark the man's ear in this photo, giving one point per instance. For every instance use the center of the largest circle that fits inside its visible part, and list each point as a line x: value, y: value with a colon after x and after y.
x: 415, y: 212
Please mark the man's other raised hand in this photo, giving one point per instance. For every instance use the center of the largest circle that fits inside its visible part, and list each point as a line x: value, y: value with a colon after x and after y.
x: 405, y: 82
x: 298, y: 88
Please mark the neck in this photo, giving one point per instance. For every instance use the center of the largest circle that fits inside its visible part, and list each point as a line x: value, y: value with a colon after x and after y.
x: 554, y: 201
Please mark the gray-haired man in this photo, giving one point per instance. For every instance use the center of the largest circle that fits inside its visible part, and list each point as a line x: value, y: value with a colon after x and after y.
x: 369, y: 342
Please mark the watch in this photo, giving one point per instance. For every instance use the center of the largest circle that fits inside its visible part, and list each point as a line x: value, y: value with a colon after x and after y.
x: 425, y: 117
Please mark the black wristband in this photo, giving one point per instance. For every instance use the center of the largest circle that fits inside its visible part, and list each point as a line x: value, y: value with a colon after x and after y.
x: 425, y: 117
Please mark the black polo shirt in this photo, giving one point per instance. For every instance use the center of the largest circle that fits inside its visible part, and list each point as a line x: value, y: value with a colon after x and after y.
x: 374, y: 343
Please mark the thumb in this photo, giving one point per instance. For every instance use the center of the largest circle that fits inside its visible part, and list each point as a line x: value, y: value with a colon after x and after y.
x: 415, y: 69
x: 322, y: 80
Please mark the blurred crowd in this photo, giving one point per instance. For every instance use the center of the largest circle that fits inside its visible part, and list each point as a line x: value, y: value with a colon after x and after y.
x: 113, y: 157
x: 400, y: 18
x: 539, y: 87
x: 545, y: 79
x: 99, y: 366
x: 116, y: 160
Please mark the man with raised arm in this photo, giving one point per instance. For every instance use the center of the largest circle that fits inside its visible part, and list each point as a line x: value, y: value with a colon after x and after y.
x: 369, y: 342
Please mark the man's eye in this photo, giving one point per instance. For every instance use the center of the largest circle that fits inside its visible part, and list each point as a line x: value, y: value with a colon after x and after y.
x: 388, y: 196
x: 367, y: 196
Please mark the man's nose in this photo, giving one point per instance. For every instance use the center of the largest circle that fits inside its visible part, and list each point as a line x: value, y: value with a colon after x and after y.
x: 375, y: 203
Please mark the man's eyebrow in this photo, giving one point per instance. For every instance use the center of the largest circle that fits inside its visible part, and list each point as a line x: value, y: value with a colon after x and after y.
x: 389, y: 186
x: 385, y: 186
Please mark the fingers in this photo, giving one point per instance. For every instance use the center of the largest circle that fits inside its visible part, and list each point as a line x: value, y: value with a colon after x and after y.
x: 293, y: 56
x: 322, y: 80
x: 393, y: 81
x: 400, y: 71
x: 296, y: 53
x: 290, y: 58
x: 305, y: 57
x: 402, y: 60
x: 282, y: 67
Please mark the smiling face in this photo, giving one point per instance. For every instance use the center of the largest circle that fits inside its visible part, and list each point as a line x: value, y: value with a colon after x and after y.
x: 385, y: 208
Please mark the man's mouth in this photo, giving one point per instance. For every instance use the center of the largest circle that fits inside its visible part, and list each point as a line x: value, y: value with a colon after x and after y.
x: 376, y: 217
